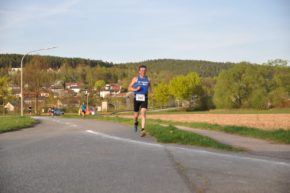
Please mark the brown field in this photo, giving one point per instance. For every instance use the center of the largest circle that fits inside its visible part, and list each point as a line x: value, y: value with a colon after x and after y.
x: 262, y: 121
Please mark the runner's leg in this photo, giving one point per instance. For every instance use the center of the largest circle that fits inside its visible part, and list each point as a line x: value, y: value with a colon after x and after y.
x: 143, y: 117
x: 136, y: 115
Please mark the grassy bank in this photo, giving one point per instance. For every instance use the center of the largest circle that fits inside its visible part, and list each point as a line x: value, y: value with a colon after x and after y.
x: 280, y: 136
x: 11, y: 123
x: 168, y: 134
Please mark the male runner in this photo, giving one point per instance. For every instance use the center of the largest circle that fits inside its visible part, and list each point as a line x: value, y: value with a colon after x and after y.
x: 140, y: 85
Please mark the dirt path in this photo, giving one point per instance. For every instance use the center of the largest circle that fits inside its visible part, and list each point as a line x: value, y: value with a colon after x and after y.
x: 248, y: 143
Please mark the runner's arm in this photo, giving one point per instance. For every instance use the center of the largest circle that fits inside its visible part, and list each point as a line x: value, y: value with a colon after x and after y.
x: 131, y: 86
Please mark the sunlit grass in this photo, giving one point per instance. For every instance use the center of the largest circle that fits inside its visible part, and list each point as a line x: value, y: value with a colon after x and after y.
x: 280, y: 136
x: 168, y: 134
x: 12, y: 123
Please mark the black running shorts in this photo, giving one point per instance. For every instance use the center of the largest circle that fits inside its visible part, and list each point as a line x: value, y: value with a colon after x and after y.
x: 142, y: 104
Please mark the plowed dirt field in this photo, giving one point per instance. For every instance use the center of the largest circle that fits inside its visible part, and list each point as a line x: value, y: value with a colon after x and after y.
x: 262, y: 121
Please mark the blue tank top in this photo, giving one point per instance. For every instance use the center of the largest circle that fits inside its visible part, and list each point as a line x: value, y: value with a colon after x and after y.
x: 144, y: 83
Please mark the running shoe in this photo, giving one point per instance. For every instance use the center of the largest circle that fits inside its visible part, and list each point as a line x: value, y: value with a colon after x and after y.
x: 143, y: 133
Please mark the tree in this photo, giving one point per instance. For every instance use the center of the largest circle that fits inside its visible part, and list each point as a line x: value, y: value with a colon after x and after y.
x: 161, y: 94
x: 5, y: 90
x: 66, y: 74
x: 35, y: 75
x: 258, y: 99
x: 282, y: 78
x: 278, y: 97
x: 277, y: 62
x: 194, y: 83
x: 234, y: 86
x: 252, y: 86
x: 185, y: 87
x: 99, y: 84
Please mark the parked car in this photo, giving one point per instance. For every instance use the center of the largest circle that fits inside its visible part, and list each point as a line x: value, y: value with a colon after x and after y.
x: 58, y: 112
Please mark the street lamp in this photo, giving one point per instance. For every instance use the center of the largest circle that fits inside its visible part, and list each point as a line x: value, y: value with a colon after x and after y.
x: 21, y: 84
x: 87, y: 93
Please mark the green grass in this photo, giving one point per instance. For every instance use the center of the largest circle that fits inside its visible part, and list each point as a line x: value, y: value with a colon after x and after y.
x: 11, y: 123
x: 167, y: 134
x: 170, y: 134
x: 280, y: 136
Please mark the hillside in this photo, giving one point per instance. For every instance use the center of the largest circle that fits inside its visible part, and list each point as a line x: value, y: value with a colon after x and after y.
x: 163, y: 66
x: 14, y: 60
x: 203, y: 68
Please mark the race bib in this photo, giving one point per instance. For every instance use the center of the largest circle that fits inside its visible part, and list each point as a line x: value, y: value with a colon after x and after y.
x: 140, y: 97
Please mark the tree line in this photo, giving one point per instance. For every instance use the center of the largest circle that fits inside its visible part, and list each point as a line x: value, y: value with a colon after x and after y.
x: 14, y: 60
x: 243, y: 85
x: 198, y: 84
x: 253, y: 86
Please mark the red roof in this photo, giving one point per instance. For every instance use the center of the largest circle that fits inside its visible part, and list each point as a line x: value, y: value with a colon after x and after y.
x: 116, y: 87
x: 119, y: 95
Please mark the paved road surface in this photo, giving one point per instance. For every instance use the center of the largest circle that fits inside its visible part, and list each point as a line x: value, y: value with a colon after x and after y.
x: 86, y: 156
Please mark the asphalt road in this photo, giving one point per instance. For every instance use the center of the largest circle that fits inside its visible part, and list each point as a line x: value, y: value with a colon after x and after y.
x: 86, y: 156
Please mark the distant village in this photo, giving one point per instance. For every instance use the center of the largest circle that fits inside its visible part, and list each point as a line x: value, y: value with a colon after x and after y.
x: 110, y: 97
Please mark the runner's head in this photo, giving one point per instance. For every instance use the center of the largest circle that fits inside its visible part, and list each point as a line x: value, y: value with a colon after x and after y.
x: 142, y: 70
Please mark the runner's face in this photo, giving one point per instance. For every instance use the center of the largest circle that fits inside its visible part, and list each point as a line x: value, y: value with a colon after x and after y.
x: 142, y: 71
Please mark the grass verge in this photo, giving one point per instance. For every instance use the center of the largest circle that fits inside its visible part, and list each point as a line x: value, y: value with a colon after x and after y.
x: 168, y: 134
x: 280, y: 136
x: 15, y: 123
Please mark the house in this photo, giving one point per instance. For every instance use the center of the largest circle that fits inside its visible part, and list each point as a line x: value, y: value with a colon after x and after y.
x: 50, y: 70
x: 115, y: 89
x: 57, y: 90
x: 59, y: 104
x: 104, y: 93
x: 44, y: 92
x: 9, y: 107
x: 120, y: 95
x: 16, y: 91
x: 110, y: 89
x: 14, y: 71
x: 74, y: 86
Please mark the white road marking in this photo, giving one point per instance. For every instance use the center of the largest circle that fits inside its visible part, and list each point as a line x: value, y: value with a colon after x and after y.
x: 233, y: 156
x: 188, y: 149
x: 58, y: 121
x: 124, y: 139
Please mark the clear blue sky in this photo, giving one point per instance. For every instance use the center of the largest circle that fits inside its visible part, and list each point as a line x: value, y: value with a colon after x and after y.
x: 137, y: 30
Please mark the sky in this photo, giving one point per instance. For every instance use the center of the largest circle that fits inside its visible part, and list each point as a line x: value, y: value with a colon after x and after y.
x: 136, y: 30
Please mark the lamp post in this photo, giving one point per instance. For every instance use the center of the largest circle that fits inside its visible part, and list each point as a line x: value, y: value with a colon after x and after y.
x: 21, y: 84
x: 87, y: 110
